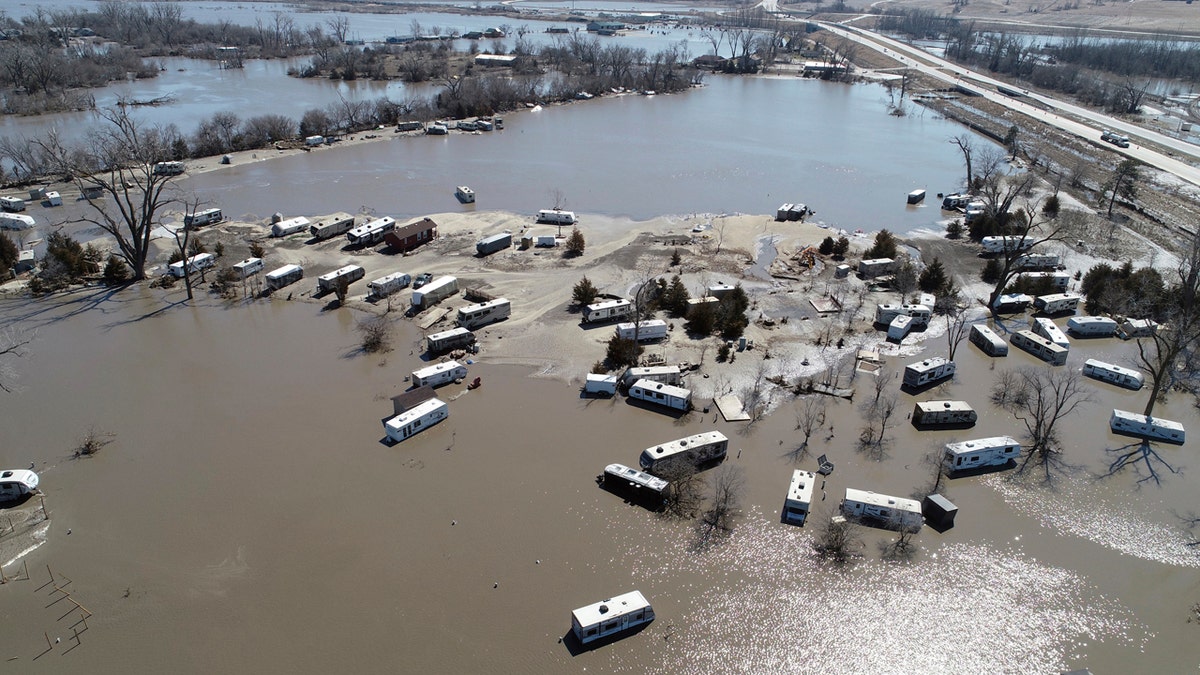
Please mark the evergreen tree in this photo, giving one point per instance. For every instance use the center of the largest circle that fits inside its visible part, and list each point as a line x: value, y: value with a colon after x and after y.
x: 933, y: 278
x: 9, y: 254
x: 622, y: 353
x: 827, y: 246
x: 676, y: 259
x: 955, y: 229
x: 575, y: 242
x: 885, y: 246
x: 991, y: 271
x: 584, y: 292
x: 702, y: 319
x: 675, y: 299
x: 116, y: 272
x: 840, y: 247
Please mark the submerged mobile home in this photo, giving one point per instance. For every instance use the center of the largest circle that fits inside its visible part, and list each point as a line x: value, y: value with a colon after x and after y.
x: 1056, y: 303
x: 1049, y: 330
x: 1113, y: 374
x: 416, y: 419
x: 1154, y: 428
x: 799, y: 497
x: 675, y: 398
x: 1092, y: 326
x: 980, y: 453
x: 928, y: 371
x: 16, y: 483
x: 637, y: 485
x: 987, y: 340
x: 611, y: 617
x: 888, y: 511
x: 696, y: 450
x: 1040, y: 347
x: 943, y: 413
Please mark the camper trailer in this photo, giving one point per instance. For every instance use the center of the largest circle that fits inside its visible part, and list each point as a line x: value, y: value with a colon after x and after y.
x: 1138, y: 328
x: 885, y: 313
x: 314, y: 141
x: 899, y: 328
x: 416, y: 419
x: 928, y: 371
x: 611, y: 617
x: 719, y: 290
x: 557, y: 217
x: 347, y: 275
x: 920, y: 314
x: 290, y: 226
x: 675, y: 398
x: 943, y: 413
x: 664, y: 374
x: 200, y: 261
x: 16, y: 221
x: 1010, y: 303
x: 53, y: 198
x: 799, y: 497
x: 956, y: 201
x: 388, y: 284
x: 248, y: 267
x: 1056, y: 303
x: 1113, y: 374
x: 284, y: 276
x: 987, y: 340
x: 1141, y: 426
x: 980, y: 453
x: 654, y: 329
x: 16, y: 483
x: 439, y: 374
x: 12, y: 204
x: 1049, y: 330
x: 371, y: 232
x: 1057, y: 280
x: 1009, y: 243
x: 205, y: 217
x: 474, y: 316
x: 885, y: 510
x: 608, y: 310
x: 693, y: 303
x: 434, y: 292
x: 869, y: 269
x: 1092, y: 326
x: 636, y: 485
x: 494, y: 243
x: 1040, y: 347
x: 168, y: 168
x: 1037, y: 261
x: 697, y: 450
x: 331, y: 227
x: 446, y: 340
x: 600, y: 385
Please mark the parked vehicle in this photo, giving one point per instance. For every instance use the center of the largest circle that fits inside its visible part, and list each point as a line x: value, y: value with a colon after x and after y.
x: 1056, y: 303
x: 422, y: 279
x: 943, y: 414
x: 331, y: 227
x: 16, y: 221
x: 17, y: 483
x: 600, y: 385
x: 1049, y: 330
x: 494, y: 243
x: 1093, y: 326
x: 371, y: 232
x: 12, y: 204
x: 1040, y: 347
x: 654, y: 329
x: 635, y: 485
x: 1114, y: 138
x: 169, y: 168
x: 664, y: 374
x: 1003, y: 243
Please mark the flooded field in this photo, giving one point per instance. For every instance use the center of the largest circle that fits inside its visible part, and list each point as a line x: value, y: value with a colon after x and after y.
x: 248, y: 517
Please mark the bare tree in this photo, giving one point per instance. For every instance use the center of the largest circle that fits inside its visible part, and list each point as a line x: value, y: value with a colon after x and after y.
x: 685, y: 494
x: 340, y: 27
x: 958, y: 326
x: 183, y: 237
x: 1175, y: 343
x: 878, y: 417
x: 904, y: 277
x: 717, y: 522
x: 376, y: 333
x: 838, y: 540
x: 12, y: 346
x: 1032, y: 227
x: 1040, y: 397
x: 966, y: 145
x: 809, y: 417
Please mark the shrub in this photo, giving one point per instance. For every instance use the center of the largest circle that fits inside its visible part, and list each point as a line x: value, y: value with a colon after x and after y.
x: 622, y: 352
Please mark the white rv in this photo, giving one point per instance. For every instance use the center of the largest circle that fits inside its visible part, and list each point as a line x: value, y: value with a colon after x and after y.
x: 1092, y: 326
x: 439, y: 374
x: 920, y: 314
x: 388, y: 284
x: 1058, y: 280
x: 371, y: 232
x: 314, y: 141
x: 719, y: 289
x: 1012, y: 302
x: 16, y: 483
x: 169, y: 168
x: 899, y: 328
x: 1056, y: 303
x: 696, y: 450
x: 608, y: 310
x: 449, y: 339
x: 1001, y: 244
x: 290, y: 226
x: 348, y: 275
x: 1153, y: 428
x: 675, y: 398
x: 16, y: 221
x: 663, y: 374
x: 248, y: 267
x: 885, y: 313
x: 943, y: 413
x: 1113, y: 374
x: 1036, y: 261
x: 693, y: 303
x: 283, y: 276
x: 434, y: 292
x: 557, y: 217
x: 1138, y: 328
x: 601, y: 385
x: 1040, y: 347
x: 654, y: 329
x: 474, y: 316
x: 634, y: 483
x: 53, y: 198
x: 205, y: 217
x: 799, y: 497
x: 893, y: 512
x: 331, y: 227
x: 928, y: 371
x: 611, y: 617
x: 200, y: 261
x: 416, y: 419
x: 980, y: 453
x: 12, y: 204
x: 986, y: 339
x: 1050, y: 330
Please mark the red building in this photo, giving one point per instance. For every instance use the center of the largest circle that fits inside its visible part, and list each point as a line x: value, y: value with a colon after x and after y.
x: 406, y: 238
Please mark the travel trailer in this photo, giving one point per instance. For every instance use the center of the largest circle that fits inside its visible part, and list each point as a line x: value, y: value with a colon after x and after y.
x: 449, y: 339
x: 892, y: 512
x: 371, y: 232
x: 920, y: 314
x: 1040, y: 347
x: 434, y: 292
x: 916, y: 196
x: 719, y: 290
x: 608, y: 310
x: 494, y: 243
x: 1092, y: 326
x: 248, y: 267
x: 956, y: 201
x: 200, y: 261
x: 675, y: 398
x: 284, y: 276
x: 12, y: 204
x: 474, y: 316
x: 314, y: 141
x: 1012, y: 302
x: 290, y: 226
x: 654, y: 329
x: 1113, y: 374
x: 205, y: 217
x: 53, y: 198
x: 799, y: 497
x: 1049, y: 330
x: 16, y: 221
x: 1152, y: 428
x: 874, y: 267
x: 600, y: 385
x: 663, y: 374
x: 987, y: 340
x: 439, y: 374
x: 557, y: 217
x: 416, y: 419
x: 943, y: 414
x: 899, y: 328
x: 331, y: 227
x: 1036, y: 261
x: 1138, y: 328
x: 168, y: 168
x: 1057, y: 280
x: 696, y: 450
x: 347, y: 275
x: 16, y: 483
x: 1010, y: 243
x: 927, y: 372
x: 980, y: 453
x: 611, y: 617
x: 465, y: 194
x: 1056, y: 303
x: 388, y: 284
x: 635, y: 485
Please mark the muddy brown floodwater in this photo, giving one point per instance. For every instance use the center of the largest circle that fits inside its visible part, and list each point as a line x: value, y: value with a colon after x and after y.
x: 249, y: 518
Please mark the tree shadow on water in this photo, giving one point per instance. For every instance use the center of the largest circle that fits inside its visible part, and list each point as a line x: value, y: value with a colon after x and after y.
x: 1145, y: 461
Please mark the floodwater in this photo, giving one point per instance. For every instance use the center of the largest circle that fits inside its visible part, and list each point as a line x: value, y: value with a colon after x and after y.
x: 248, y: 517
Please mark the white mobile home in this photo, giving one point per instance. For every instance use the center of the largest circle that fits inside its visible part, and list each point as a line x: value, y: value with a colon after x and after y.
x: 892, y: 512
x: 1058, y: 280
x: 348, y: 275
x: 248, y: 267
x: 200, y: 261
x: 439, y: 374
x: 16, y: 483
x: 1001, y: 244
x: 1154, y: 428
x: 928, y: 371
x: 675, y: 398
x: 874, y: 267
x: 900, y: 327
x: 434, y: 292
x: 12, y: 204
x: 388, y: 284
x: 1056, y: 303
x: 416, y: 419
x: 1012, y: 302
x: 1040, y: 347
x: 1092, y: 326
x: 663, y: 374
x: 449, y: 339
x: 654, y: 329
x: 1050, y: 330
x: 799, y: 497
x: 980, y: 453
x: 557, y: 217
x: 474, y: 316
x: 16, y: 221
x: 602, y: 385
x: 290, y: 226
x: 986, y: 339
x: 610, y: 617
x: 608, y: 310
x: 331, y: 227
x: 283, y: 276
x: 1138, y: 328
x: 885, y: 313
x: 205, y: 217
x: 1113, y: 374
x: 371, y: 232
x: 696, y: 450
x: 943, y: 413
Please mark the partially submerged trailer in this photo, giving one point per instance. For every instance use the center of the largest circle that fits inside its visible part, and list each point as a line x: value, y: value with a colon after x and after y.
x: 664, y: 374
x: 607, y: 310
x: 343, y: 275
x: 696, y: 450
x: 892, y: 512
x: 284, y: 276
x: 1056, y: 303
x: 205, y: 217
x: 1049, y: 330
x: 1040, y: 347
x: 600, y: 385
x: 799, y: 497
x: 434, y: 292
x: 388, y: 284
x: 248, y: 267
x: 416, y: 419
x: 1114, y: 374
x: 919, y: 313
x: 980, y: 453
x: 557, y: 217
x: 675, y: 398
x: 16, y: 221
x: 1012, y: 302
x: 1141, y: 426
x: 16, y: 483
x: 928, y: 371
x: 12, y: 204
x: 653, y: 329
x: 635, y: 485
x: 611, y: 617
x: 1092, y: 326
x: 943, y: 413
x: 439, y: 374
x: 200, y: 261
x: 481, y: 314
x: 289, y: 227
x: 449, y: 339
x: 1138, y: 328
x: 987, y: 340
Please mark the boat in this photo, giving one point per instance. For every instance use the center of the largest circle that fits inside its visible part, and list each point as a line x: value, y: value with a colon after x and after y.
x: 465, y: 194
x: 610, y: 617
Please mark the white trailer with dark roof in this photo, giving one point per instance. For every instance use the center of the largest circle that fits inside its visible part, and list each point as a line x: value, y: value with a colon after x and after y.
x: 980, y: 453
x: 893, y: 512
x: 1114, y: 374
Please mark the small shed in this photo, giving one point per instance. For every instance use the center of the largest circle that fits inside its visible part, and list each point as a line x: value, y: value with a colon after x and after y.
x: 939, y: 512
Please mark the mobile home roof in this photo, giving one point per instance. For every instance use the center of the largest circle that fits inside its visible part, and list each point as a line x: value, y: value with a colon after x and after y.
x: 651, y: 385
x: 617, y: 606
x: 934, y: 406
x: 866, y: 497
x: 978, y: 444
x: 435, y: 369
